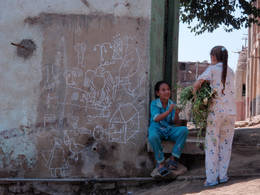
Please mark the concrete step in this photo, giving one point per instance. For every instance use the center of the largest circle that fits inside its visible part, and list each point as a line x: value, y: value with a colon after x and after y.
x: 245, y: 139
x: 193, y: 145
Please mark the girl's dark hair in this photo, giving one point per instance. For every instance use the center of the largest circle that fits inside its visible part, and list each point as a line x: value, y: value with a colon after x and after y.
x: 221, y: 55
x: 157, y: 87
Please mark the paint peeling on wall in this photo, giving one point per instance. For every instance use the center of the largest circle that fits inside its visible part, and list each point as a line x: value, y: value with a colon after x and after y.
x: 17, y: 149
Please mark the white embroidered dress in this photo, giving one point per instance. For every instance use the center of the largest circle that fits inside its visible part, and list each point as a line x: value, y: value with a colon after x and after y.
x: 220, y: 124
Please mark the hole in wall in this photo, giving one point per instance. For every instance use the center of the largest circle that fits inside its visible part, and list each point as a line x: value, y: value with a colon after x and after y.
x: 25, y: 48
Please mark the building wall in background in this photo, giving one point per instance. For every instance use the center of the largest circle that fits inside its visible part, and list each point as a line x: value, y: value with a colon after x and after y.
x: 253, y: 71
x: 240, y: 84
x: 188, y: 72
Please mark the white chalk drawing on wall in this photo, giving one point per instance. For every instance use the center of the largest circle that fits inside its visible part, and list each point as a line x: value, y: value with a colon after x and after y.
x: 108, y: 57
x: 73, y: 121
x: 72, y: 76
x: 49, y: 121
x: 56, y: 162
x: 84, y: 130
x: 95, y: 91
x: 99, y: 132
x: 103, y: 49
x: 74, y: 148
x: 49, y: 99
x: 52, y: 71
x: 51, y: 78
x: 101, y: 91
x: 131, y: 70
x: 128, y: 73
x: 100, y: 88
x: 117, y: 45
x: 124, y: 124
x: 64, y: 70
x: 80, y: 49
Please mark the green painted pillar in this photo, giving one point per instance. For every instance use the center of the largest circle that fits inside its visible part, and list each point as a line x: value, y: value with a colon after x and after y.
x: 172, y: 36
x: 164, y: 37
x: 157, y: 43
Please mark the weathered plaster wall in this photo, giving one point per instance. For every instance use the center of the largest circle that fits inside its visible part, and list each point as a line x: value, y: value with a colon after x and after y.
x: 240, y: 79
x: 78, y: 105
x: 253, y: 71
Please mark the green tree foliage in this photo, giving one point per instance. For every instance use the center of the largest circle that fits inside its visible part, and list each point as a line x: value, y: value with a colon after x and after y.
x: 211, y: 14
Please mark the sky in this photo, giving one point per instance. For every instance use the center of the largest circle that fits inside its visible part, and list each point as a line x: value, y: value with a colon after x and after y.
x: 195, y: 48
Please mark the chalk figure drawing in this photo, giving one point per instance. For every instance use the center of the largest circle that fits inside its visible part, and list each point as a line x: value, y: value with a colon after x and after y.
x: 95, y: 91
x: 57, y: 162
x: 124, y: 124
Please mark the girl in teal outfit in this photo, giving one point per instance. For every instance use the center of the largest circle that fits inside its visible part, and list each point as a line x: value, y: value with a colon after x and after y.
x: 164, y: 114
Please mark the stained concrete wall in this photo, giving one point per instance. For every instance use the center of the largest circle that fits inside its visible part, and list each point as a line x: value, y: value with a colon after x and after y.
x: 73, y: 82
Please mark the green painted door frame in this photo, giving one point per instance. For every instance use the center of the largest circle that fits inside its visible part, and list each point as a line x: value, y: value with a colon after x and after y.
x: 164, y: 36
x: 156, y: 43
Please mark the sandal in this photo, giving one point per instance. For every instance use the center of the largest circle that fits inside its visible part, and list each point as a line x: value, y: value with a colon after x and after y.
x: 207, y: 184
x: 172, y: 164
x: 163, y: 171
x: 224, y: 180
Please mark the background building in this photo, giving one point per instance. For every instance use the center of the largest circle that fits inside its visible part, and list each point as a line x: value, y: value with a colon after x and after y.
x: 248, y: 75
x: 253, y: 71
x: 188, y: 72
x: 240, y: 84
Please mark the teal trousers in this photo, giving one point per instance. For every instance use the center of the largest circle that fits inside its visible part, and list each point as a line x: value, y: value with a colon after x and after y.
x: 156, y: 134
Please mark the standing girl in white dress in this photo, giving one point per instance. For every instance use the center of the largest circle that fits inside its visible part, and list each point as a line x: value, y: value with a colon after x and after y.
x: 221, y: 118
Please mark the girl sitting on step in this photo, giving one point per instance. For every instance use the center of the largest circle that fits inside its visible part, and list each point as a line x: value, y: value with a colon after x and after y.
x: 163, y: 115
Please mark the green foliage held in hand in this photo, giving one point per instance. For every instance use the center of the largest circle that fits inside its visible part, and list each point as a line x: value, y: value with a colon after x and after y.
x: 185, y: 96
x: 200, y: 104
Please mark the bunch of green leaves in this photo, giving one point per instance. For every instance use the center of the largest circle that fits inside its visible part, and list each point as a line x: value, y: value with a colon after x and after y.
x: 200, y: 104
x: 185, y: 97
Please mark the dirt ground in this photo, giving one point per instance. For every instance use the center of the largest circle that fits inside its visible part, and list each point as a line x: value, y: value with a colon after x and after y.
x: 245, y: 161
x: 235, y: 186
x: 244, y: 173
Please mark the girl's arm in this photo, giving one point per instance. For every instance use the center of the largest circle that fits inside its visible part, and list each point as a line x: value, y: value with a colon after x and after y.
x: 165, y: 114
x: 205, y: 76
x: 197, y: 85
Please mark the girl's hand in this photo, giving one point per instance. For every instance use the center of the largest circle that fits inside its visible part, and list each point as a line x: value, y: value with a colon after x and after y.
x: 177, y: 111
x: 171, y: 108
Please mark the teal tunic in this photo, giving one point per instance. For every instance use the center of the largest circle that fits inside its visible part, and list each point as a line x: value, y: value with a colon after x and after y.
x: 165, y: 130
